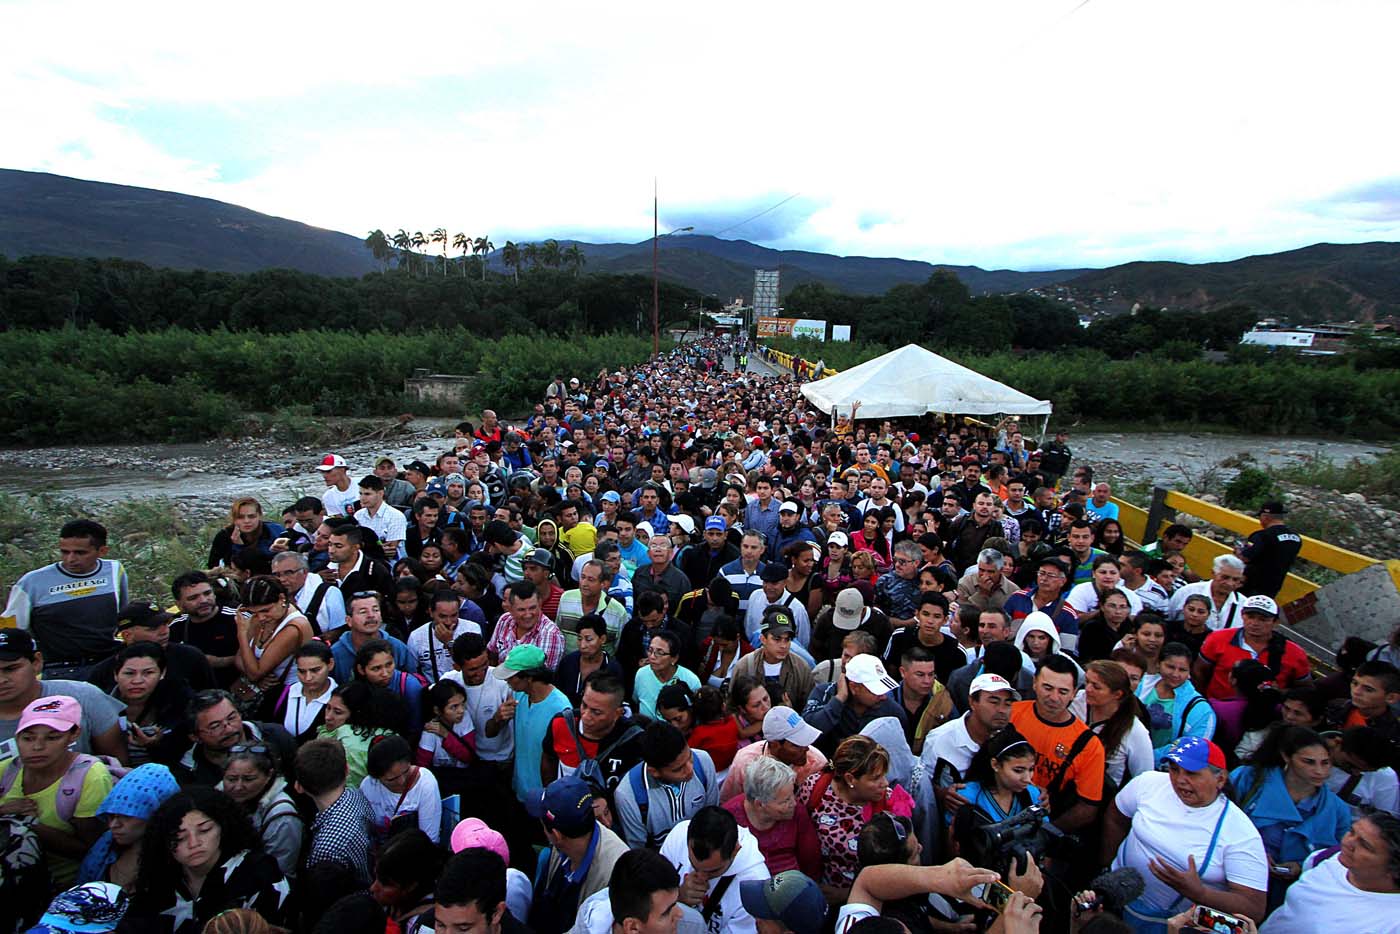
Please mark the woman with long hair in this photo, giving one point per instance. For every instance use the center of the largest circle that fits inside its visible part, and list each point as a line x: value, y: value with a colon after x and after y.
x: 246, y: 529
x: 154, y: 719
x: 1108, y: 536
x: 750, y: 701
x: 1109, y: 706
x: 998, y: 785
x: 834, y: 573
x: 1283, y: 789
x: 200, y: 856
x: 356, y: 715
x: 270, y: 630
x: 871, y: 539
x: 1101, y: 630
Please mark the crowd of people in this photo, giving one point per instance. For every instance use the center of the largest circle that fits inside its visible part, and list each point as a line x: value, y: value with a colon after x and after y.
x: 674, y: 652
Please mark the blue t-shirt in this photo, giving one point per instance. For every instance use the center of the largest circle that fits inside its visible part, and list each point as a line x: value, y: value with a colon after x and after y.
x: 531, y: 725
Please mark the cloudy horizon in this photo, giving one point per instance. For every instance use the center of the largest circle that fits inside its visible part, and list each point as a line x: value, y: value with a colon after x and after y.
x: 1025, y: 134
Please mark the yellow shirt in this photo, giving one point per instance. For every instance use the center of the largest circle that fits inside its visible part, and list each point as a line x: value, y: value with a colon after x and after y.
x: 96, y: 783
x: 579, y: 540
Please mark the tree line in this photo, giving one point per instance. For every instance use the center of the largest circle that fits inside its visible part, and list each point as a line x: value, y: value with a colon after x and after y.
x: 942, y: 313
x: 45, y: 292
x: 406, y: 251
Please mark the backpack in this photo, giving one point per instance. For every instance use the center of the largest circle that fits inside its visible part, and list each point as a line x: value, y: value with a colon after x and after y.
x: 70, y: 786
x: 588, y: 768
x: 639, y: 787
x: 1186, y: 714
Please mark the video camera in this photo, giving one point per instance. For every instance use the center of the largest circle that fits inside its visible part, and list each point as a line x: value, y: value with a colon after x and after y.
x: 998, y: 846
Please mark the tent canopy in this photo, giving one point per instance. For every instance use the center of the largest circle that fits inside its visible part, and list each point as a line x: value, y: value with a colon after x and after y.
x: 913, y: 381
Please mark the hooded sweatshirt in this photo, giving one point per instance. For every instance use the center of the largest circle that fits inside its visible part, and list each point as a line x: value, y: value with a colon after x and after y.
x: 138, y: 794
x: 1041, y: 622
x: 1189, y: 714
x: 748, y: 864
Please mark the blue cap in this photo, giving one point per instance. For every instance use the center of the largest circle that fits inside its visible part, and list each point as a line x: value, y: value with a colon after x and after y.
x: 789, y: 897
x: 438, y: 487
x: 1193, y: 753
x: 565, y: 805
x: 611, y: 496
x: 716, y: 522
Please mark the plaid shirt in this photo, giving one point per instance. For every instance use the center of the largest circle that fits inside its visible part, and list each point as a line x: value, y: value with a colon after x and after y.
x: 546, y: 635
x: 340, y: 835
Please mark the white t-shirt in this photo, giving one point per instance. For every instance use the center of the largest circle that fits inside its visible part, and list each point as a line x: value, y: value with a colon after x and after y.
x: 483, y: 700
x: 422, y: 799
x: 950, y: 743
x: 849, y: 914
x: 340, y: 502
x: 1134, y: 754
x: 1225, y: 616
x: 433, y: 743
x: 1379, y: 789
x: 423, y: 645
x: 1323, y: 900
x: 1084, y: 598
x: 1164, y: 828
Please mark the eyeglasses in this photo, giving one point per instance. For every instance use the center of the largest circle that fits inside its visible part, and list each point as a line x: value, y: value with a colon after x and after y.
x: 900, y: 831
x: 364, y: 593
x: 257, y: 749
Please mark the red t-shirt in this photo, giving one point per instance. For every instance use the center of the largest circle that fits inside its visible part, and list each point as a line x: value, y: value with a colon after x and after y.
x: 720, y: 739
x: 1224, y: 647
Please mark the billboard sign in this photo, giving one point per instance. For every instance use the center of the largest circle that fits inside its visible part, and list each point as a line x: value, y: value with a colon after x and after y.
x: 806, y: 327
x: 791, y: 327
x: 840, y: 332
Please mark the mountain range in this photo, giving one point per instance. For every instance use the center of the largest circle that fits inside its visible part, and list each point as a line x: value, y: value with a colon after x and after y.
x: 55, y: 215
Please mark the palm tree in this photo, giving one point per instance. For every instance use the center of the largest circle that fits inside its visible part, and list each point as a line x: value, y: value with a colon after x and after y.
x: 379, y: 246
x: 510, y: 254
x: 532, y: 255
x: 440, y: 235
x: 419, y: 241
x: 461, y: 241
x: 549, y: 254
x: 402, y: 241
x: 483, y: 246
x: 574, y: 258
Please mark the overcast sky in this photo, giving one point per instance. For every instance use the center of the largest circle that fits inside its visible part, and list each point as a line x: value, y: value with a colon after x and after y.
x: 1027, y: 134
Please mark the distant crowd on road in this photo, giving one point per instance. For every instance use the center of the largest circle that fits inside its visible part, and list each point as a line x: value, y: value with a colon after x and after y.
x: 675, y: 652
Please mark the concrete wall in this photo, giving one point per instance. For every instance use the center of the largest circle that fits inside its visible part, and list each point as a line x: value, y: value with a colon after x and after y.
x: 1364, y: 604
x: 438, y: 388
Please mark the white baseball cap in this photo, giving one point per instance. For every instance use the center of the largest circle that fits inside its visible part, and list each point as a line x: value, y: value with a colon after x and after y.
x: 869, y: 672
x: 990, y: 682
x: 331, y: 462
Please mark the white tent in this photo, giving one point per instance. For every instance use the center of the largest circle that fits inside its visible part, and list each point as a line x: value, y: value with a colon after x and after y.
x: 914, y: 381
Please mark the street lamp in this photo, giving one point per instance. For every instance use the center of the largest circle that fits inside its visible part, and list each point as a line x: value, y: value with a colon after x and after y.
x: 655, y: 282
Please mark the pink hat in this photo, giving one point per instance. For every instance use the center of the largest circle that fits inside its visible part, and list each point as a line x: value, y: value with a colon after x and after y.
x: 59, y: 712
x: 474, y: 834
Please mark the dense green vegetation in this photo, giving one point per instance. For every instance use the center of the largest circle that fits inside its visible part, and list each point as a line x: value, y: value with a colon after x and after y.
x: 942, y: 313
x: 1272, y: 396
x: 88, y: 384
x: 45, y: 292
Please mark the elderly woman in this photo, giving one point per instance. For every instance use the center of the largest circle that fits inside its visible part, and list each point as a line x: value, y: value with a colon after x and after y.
x: 842, y: 798
x: 1188, y: 840
x: 251, y: 780
x: 768, y: 806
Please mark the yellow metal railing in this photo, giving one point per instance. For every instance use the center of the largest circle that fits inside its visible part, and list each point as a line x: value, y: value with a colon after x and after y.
x: 1202, y: 551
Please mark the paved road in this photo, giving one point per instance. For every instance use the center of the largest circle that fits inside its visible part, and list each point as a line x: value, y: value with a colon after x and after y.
x: 756, y: 365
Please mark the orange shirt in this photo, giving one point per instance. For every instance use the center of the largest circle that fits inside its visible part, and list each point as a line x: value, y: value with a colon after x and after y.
x: 1053, y: 742
x: 1355, y: 718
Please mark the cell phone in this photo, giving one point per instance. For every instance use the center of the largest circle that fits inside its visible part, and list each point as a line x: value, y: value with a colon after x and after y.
x: 1216, y: 921
x: 996, y: 895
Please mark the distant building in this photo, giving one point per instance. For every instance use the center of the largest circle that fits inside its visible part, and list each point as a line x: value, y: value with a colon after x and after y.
x: 1314, y: 340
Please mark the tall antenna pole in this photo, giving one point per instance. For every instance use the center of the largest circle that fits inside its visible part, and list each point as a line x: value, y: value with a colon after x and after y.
x: 655, y: 287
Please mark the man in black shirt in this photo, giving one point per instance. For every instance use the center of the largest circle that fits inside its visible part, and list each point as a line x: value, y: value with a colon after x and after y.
x: 1269, y: 553
x: 927, y: 634
x: 204, y: 624
x: 144, y: 622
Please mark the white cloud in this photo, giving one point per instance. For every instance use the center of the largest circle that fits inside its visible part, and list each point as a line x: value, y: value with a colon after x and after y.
x: 1007, y: 134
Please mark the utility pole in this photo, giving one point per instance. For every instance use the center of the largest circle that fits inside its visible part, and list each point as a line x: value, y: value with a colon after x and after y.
x: 655, y: 284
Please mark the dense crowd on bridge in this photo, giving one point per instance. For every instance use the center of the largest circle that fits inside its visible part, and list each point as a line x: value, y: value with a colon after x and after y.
x: 677, y: 653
